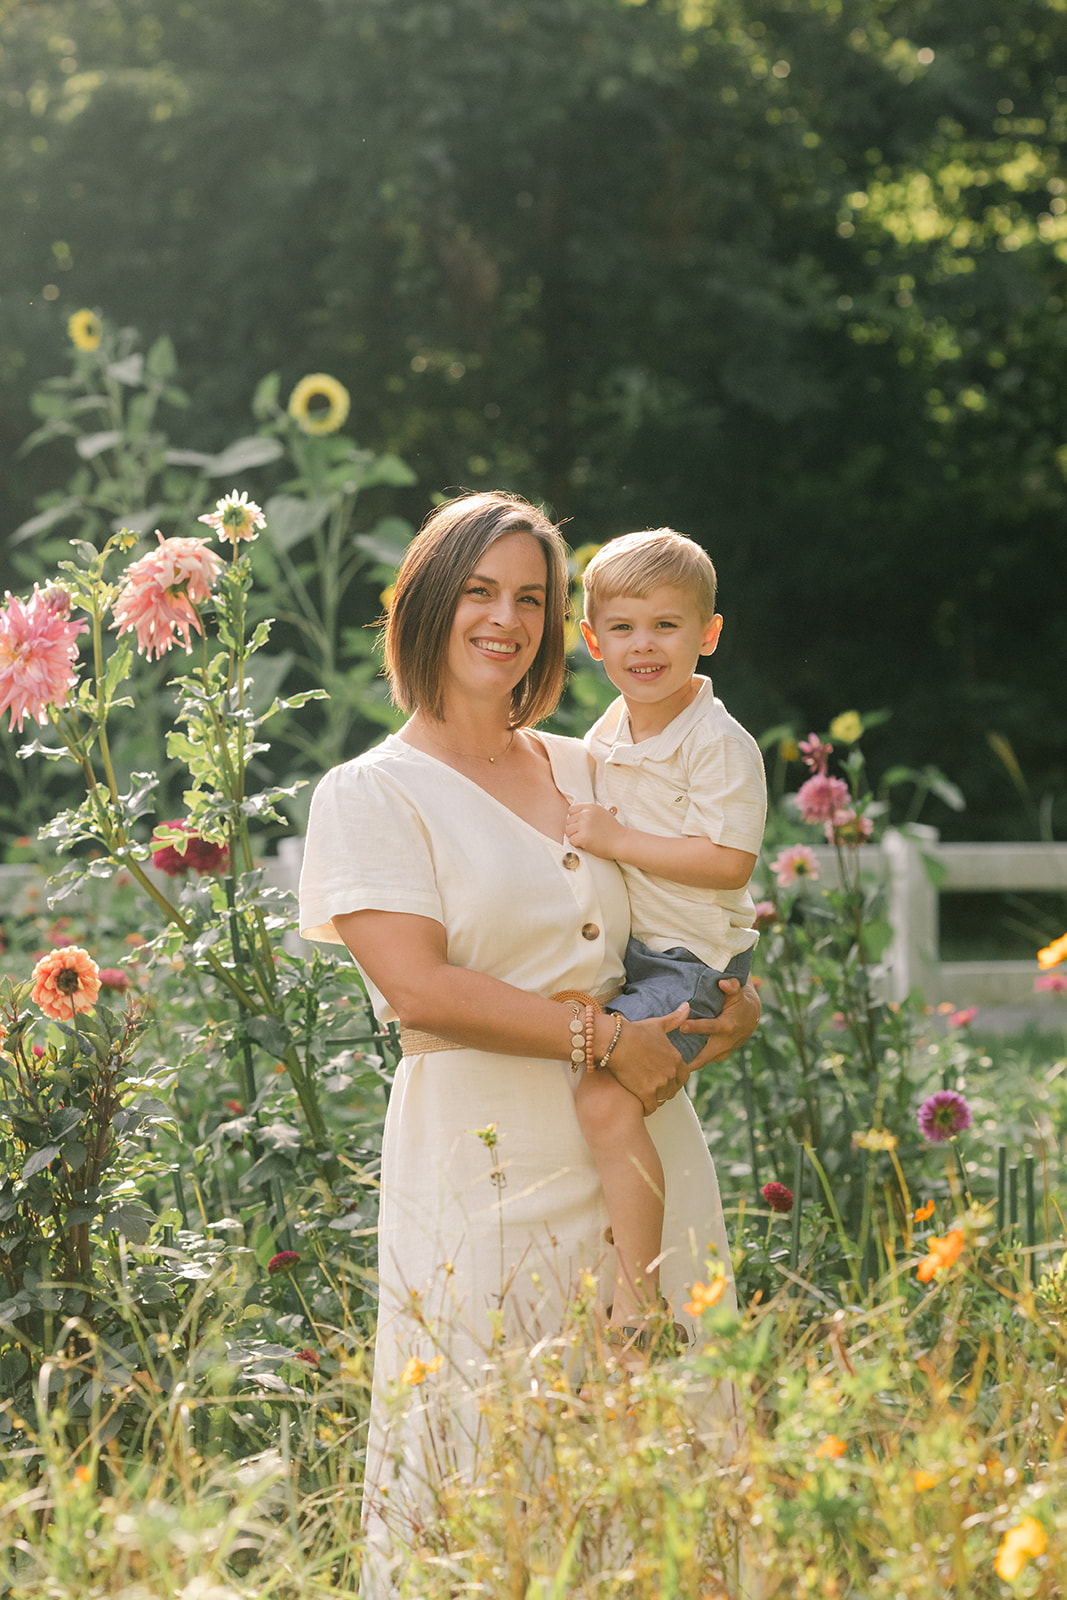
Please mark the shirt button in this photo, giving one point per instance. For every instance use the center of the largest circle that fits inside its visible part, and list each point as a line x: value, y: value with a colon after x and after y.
x: 571, y: 861
x: 590, y: 931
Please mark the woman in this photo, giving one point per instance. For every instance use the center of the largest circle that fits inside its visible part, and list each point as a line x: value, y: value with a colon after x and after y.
x: 439, y: 859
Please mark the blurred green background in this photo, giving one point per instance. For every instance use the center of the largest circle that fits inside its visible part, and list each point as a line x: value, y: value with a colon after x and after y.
x: 788, y: 275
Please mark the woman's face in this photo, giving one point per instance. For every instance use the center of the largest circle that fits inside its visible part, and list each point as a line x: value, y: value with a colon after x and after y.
x: 500, y: 618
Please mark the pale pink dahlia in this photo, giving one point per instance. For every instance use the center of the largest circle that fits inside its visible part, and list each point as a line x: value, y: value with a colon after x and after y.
x: 821, y: 798
x: 235, y: 517
x: 796, y: 862
x: 38, y: 650
x: 162, y: 590
x: 65, y: 981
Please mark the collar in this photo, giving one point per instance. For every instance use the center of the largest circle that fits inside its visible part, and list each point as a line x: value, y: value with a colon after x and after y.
x: 612, y: 740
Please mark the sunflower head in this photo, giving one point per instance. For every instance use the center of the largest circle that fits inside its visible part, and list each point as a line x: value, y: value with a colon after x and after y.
x: 85, y: 330
x: 319, y: 386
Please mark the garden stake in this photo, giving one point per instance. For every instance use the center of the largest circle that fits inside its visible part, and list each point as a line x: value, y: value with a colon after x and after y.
x: 1013, y: 1198
x: 1002, y: 1186
x: 750, y: 1119
x: 1031, y: 1229
x: 798, y: 1196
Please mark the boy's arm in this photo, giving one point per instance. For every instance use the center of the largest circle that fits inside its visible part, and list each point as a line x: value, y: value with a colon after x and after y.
x: 696, y: 862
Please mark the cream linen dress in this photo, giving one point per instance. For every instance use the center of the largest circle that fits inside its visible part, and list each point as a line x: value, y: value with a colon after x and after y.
x: 474, y: 1238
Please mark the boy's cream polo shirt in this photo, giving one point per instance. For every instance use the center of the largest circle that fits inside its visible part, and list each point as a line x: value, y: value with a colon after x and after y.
x: 702, y: 776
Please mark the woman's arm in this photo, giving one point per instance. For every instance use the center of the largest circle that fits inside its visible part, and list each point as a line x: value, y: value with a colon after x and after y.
x: 405, y: 957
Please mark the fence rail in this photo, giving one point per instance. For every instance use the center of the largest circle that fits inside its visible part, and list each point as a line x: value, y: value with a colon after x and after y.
x: 916, y: 867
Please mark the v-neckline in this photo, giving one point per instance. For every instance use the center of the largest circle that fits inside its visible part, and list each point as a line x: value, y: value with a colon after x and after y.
x: 462, y: 776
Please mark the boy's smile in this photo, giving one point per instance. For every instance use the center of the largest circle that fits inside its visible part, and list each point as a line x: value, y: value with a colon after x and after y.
x: 650, y: 648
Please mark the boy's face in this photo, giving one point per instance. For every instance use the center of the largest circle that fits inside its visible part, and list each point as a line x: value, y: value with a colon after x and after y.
x: 650, y: 647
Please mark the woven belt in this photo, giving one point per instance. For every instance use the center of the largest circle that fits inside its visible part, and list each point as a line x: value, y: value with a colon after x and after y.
x: 414, y: 1043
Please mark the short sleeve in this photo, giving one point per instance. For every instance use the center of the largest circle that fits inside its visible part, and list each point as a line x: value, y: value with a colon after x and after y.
x: 727, y: 792
x: 367, y: 849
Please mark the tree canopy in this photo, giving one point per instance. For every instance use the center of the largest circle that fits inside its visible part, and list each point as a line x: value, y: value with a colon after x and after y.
x: 788, y: 275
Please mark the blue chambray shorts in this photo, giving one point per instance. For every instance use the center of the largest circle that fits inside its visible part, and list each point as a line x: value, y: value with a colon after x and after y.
x: 658, y: 981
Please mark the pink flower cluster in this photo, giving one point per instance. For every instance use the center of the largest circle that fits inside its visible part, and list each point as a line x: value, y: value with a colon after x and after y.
x: 38, y: 650
x: 161, y: 592
x: 826, y: 800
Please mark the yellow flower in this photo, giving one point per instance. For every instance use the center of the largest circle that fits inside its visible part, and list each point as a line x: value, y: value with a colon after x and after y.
x: 831, y: 1447
x: 319, y: 386
x: 705, y: 1295
x: 1026, y: 1539
x: 386, y: 596
x: 85, y: 330
x: 875, y: 1139
x: 847, y: 728
x: 788, y: 749
x: 1053, y: 953
x: 417, y: 1370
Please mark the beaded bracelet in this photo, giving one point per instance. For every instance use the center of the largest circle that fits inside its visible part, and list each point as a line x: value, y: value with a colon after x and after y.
x: 590, y: 1048
x: 577, y: 1027
x: 614, y: 1041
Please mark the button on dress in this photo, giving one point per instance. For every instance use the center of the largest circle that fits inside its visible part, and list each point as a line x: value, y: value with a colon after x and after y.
x: 469, y: 1235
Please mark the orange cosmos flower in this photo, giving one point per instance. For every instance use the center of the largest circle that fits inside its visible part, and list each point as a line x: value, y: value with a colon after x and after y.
x: 925, y: 1212
x: 417, y: 1370
x: 1053, y: 953
x: 1026, y: 1539
x: 705, y: 1295
x: 942, y: 1253
x: 831, y: 1447
x: 66, y: 981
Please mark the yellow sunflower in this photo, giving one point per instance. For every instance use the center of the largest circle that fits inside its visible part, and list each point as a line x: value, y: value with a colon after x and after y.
x: 85, y: 330
x: 319, y: 386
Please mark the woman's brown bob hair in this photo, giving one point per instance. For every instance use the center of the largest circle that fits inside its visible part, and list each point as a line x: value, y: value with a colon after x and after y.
x: 439, y: 560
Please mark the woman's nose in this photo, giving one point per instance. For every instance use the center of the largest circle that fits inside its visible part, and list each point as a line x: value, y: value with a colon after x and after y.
x: 504, y: 611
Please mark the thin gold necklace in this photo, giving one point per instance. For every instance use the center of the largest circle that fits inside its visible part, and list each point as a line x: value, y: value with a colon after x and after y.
x: 471, y: 755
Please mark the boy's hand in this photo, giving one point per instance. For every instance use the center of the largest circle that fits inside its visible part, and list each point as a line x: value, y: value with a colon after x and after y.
x: 591, y: 827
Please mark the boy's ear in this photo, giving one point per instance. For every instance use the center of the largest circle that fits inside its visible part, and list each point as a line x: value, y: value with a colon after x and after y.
x: 711, y: 636
x: 590, y: 640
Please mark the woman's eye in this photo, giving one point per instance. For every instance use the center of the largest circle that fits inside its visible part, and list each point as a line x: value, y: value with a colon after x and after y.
x: 476, y: 588
x: 532, y: 600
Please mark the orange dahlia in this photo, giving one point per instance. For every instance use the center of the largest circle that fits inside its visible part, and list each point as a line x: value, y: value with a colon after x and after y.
x: 66, y: 981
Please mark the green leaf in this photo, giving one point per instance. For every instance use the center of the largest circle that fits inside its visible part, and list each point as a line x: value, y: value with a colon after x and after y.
x: 131, y: 1219
x: 128, y: 371
x: 45, y: 520
x: 270, y: 1033
x: 291, y: 518
x: 94, y: 444
x: 387, y: 541
x: 161, y: 363
x: 255, y: 451
x: 39, y: 1160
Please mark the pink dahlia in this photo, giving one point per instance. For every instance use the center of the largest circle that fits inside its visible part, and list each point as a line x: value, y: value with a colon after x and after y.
x: 114, y: 979
x: 796, y: 862
x: 192, y: 855
x: 778, y: 1197
x: 38, y: 650
x: 943, y: 1116
x: 161, y: 593
x: 235, y: 517
x: 821, y: 798
x: 847, y: 828
x: 1054, y: 982
x: 815, y: 753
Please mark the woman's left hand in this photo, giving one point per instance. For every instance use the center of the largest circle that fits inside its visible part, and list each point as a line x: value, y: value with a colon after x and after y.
x: 736, y: 1022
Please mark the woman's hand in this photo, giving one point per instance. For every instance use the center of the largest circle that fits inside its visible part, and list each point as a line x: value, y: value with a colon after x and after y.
x: 735, y: 1023
x: 644, y: 1060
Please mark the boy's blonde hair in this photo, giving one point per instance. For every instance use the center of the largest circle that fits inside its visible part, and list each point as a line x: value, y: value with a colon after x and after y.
x: 633, y: 565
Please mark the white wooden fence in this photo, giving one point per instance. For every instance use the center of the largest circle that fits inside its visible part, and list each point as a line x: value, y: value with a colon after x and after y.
x: 913, y: 960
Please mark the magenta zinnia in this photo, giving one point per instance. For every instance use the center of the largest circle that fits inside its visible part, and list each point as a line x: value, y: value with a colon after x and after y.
x: 38, y: 649
x: 284, y: 1261
x: 161, y: 593
x: 943, y: 1116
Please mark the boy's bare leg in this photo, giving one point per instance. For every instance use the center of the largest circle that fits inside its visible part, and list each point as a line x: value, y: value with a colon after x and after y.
x: 631, y: 1173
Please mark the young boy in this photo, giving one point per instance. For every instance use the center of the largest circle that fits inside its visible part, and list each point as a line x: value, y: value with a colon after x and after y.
x: 683, y: 807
